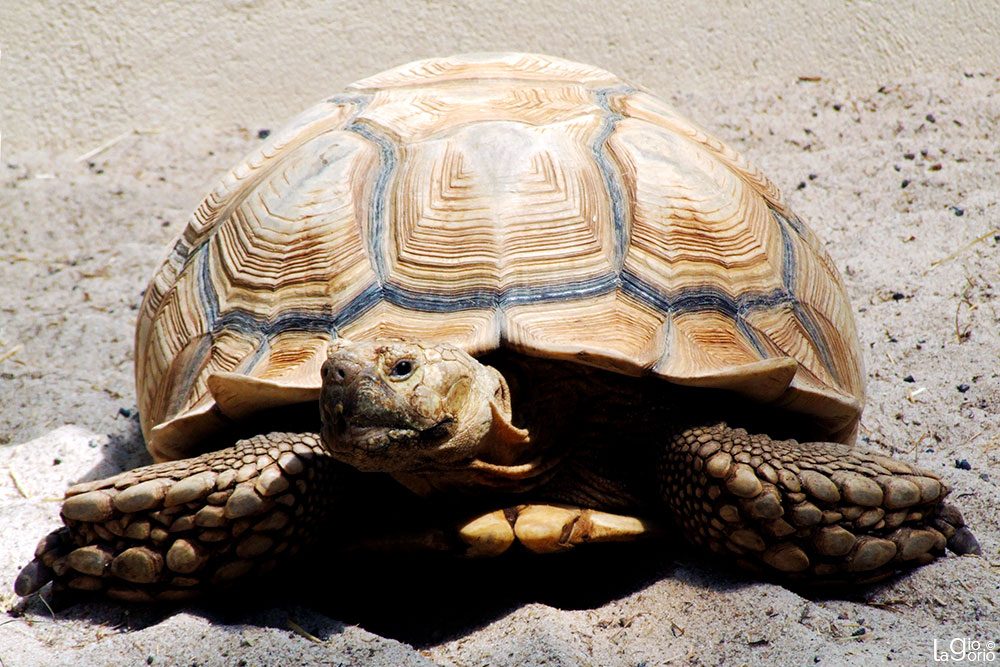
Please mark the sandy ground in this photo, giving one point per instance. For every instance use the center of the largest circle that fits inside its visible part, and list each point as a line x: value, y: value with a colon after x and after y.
x: 902, y: 184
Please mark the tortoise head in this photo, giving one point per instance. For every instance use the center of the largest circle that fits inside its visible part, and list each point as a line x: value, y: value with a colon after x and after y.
x: 414, y: 407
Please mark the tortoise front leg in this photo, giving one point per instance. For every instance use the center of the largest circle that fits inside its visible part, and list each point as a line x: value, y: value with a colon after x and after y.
x: 816, y: 512
x: 167, y: 531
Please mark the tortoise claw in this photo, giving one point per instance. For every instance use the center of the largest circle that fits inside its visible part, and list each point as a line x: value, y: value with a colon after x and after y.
x: 32, y: 577
x: 963, y: 542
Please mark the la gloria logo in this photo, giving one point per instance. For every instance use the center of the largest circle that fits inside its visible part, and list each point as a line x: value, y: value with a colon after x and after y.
x: 965, y: 649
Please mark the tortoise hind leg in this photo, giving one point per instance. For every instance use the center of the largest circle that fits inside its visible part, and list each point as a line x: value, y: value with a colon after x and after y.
x: 168, y: 530
x: 816, y: 512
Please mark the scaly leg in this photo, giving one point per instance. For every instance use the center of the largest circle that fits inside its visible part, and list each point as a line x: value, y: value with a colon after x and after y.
x: 816, y: 512
x: 167, y: 531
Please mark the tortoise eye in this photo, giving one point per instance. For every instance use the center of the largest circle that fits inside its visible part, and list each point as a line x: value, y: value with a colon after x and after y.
x: 402, y: 369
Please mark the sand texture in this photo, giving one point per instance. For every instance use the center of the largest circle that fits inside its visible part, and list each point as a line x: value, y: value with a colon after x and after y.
x: 902, y: 185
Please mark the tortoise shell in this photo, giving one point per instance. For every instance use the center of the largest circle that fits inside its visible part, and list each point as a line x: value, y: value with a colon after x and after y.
x: 489, y: 201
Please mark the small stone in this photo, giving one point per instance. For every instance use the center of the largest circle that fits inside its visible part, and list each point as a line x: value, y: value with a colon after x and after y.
x: 272, y: 481
x: 254, y: 546
x: 819, y: 486
x: 718, y: 466
x: 743, y: 482
x: 243, y: 502
x: 829, y: 516
x: 158, y: 535
x: 191, y: 488
x: 186, y: 556
x: 89, y: 560
x: 834, y: 541
x: 138, y: 565
x: 748, y: 540
x: 899, y: 492
x: 90, y: 506
x: 142, y: 496
x: 871, y: 553
x: 786, y: 557
x: 858, y: 489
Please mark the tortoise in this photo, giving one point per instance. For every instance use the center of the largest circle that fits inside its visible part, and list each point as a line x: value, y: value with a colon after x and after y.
x: 525, y: 293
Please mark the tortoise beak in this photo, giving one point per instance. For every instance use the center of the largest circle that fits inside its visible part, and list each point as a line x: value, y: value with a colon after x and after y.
x: 369, y: 401
x: 364, y: 416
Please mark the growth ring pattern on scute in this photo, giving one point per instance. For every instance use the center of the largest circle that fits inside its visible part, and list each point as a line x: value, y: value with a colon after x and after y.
x: 498, y: 200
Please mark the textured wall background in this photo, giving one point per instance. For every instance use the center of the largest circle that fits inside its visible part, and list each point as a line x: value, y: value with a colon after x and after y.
x: 79, y: 72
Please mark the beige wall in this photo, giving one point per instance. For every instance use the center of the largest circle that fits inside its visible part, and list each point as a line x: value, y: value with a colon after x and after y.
x: 76, y: 73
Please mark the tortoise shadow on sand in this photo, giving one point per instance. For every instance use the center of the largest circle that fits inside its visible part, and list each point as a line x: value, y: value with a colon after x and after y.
x: 426, y: 599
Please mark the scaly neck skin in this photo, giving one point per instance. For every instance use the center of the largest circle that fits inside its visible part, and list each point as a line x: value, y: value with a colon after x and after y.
x: 536, y: 427
x: 590, y: 436
x: 507, y: 459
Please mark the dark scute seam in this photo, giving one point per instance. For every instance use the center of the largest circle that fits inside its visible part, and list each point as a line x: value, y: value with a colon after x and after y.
x: 378, y: 206
x: 789, y: 270
x: 609, y: 171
